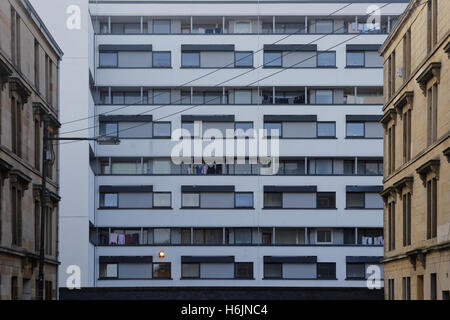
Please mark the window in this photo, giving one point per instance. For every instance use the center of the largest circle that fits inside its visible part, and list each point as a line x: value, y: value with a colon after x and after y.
x: 326, y: 129
x: 242, y: 27
x: 241, y: 129
x: 355, y: 129
x: 326, y: 200
x: 391, y: 225
x: 162, y: 199
x: 326, y: 270
x: 244, y: 200
x: 108, y: 270
x: 273, y: 129
x: 324, y: 26
x: 16, y: 126
x: 324, y: 96
x: 406, y: 202
x: 273, y: 270
x: 391, y: 149
x: 161, y: 96
x: 109, y: 200
x: 243, y: 59
x: 431, y: 24
x: 162, y: 129
x: 15, y: 38
x: 243, y: 270
x: 36, y: 64
x: 406, y: 288
x: 161, y: 236
x: 16, y: 219
x: 273, y: 200
x: 391, y: 295
x: 407, y: 136
x: 109, y: 129
x: 433, y: 286
x: 161, y: 59
x: 14, y: 289
x: 355, y: 59
x: 272, y: 59
x: 208, y: 236
x: 407, y: 55
x: 37, y: 145
x: 326, y: 59
x: 432, y: 98
x: 190, y: 270
x: 242, y: 96
x: 324, y: 236
x: 49, y: 231
x: 109, y: 59
x: 432, y: 208
x: 190, y: 59
x: 356, y: 271
x: 355, y: 200
x: 190, y: 200
x: 161, y: 167
x: 240, y: 236
x: 161, y: 26
x: 138, y: 59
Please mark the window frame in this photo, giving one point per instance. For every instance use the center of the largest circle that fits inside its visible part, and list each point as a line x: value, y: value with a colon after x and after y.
x: 191, y: 66
x: 244, y: 66
x: 363, y: 65
x: 158, y: 20
x: 320, y: 264
x: 324, y: 230
x: 325, y: 66
x: 363, y: 136
x: 326, y: 136
x: 355, y: 207
x: 332, y: 96
x: 244, y: 207
x: 154, y: 136
x: 160, y: 52
x: 250, y: 264
x: 273, y: 60
x: 162, y: 207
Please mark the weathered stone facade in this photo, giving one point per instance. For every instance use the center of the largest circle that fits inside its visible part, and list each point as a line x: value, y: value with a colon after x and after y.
x: 29, y: 62
x: 416, y: 147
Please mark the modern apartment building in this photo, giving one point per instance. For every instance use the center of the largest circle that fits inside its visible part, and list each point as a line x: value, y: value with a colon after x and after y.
x: 417, y: 154
x: 29, y: 63
x: 309, y: 69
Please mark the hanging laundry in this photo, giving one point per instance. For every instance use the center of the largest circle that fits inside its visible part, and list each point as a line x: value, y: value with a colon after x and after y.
x: 121, y: 239
x: 113, y: 238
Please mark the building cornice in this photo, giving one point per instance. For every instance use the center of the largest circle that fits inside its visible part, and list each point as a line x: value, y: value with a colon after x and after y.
x: 433, y: 70
x: 429, y: 166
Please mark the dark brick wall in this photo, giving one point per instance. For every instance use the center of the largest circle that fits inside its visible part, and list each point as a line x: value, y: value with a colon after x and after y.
x: 221, y: 293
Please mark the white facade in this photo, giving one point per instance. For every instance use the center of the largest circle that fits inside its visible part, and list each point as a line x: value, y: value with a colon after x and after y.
x: 282, y: 241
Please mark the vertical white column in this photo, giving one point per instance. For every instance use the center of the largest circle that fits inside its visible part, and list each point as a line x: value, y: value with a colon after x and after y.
x: 273, y: 24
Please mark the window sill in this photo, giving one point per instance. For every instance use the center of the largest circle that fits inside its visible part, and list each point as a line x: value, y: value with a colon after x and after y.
x: 115, y: 208
x: 350, y: 208
x: 269, y: 208
x: 249, y: 67
x: 125, y: 68
x: 196, y: 208
x: 280, y: 67
x: 237, y: 245
x: 362, y: 138
x: 299, y: 279
x: 130, y: 279
x: 189, y: 278
x: 362, y: 67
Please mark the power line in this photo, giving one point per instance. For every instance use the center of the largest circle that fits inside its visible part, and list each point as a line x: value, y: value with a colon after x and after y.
x: 277, y: 72
x: 205, y: 75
